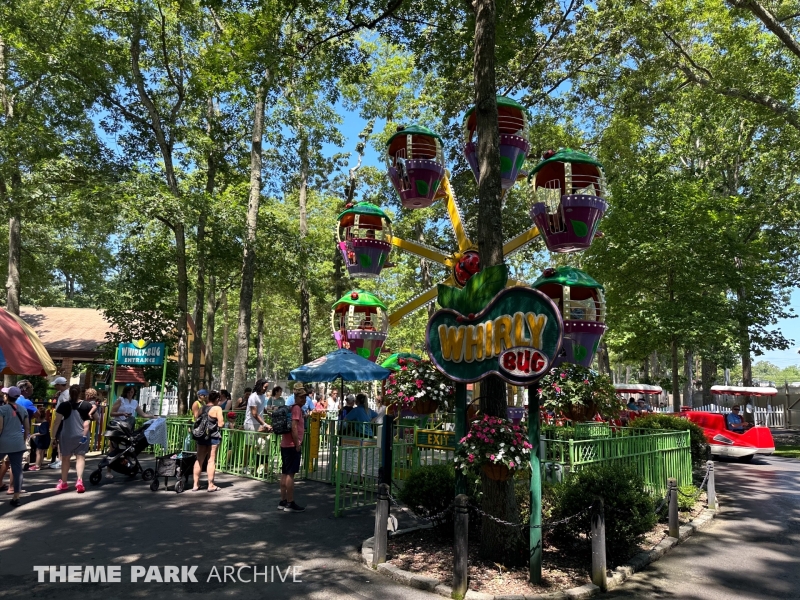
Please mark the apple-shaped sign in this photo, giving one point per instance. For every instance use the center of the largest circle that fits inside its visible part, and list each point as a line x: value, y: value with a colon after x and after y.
x: 515, y: 335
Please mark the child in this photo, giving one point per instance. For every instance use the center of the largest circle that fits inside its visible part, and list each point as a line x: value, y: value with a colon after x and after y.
x: 41, y: 440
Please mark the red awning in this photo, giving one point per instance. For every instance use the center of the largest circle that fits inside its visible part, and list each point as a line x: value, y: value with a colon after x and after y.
x: 131, y: 375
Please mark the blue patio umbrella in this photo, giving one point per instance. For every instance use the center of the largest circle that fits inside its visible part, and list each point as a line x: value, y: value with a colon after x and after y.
x: 340, y: 364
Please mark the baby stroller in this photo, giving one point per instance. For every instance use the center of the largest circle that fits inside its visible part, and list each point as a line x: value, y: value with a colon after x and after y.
x: 179, y: 466
x: 126, y: 445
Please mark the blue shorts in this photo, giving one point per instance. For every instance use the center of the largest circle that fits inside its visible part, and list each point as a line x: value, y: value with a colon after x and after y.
x: 211, y: 442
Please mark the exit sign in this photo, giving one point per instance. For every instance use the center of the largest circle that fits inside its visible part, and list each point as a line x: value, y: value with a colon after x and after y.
x: 434, y: 438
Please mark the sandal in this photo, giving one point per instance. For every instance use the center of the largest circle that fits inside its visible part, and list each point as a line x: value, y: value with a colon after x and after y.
x: 214, y: 489
x: 195, y: 489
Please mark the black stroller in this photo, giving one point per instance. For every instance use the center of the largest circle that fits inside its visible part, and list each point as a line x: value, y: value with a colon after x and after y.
x: 126, y: 445
x: 180, y: 466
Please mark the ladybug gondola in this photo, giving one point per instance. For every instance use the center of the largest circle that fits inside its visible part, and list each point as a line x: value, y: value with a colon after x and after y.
x: 360, y: 323
x: 512, y: 120
x: 583, y: 308
x: 416, y: 165
x: 569, y: 188
x: 365, y: 239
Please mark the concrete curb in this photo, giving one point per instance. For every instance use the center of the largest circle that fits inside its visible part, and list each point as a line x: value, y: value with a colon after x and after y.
x: 620, y: 574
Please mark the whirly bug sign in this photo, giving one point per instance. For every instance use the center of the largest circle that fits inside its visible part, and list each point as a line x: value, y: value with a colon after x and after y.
x: 516, y: 336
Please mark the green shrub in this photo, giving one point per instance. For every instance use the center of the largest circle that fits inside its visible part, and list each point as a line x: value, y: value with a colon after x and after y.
x: 629, y: 509
x: 687, y: 495
x: 699, y: 447
x: 428, y: 491
x: 558, y: 432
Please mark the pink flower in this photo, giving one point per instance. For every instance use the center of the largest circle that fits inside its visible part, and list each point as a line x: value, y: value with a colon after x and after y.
x: 471, y: 458
x: 557, y: 389
x: 491, y: 457
x: 563, y: 375
x: 539, y: 391
x: 511, y: 465
x: 585, y: 382
x: 419, y: 383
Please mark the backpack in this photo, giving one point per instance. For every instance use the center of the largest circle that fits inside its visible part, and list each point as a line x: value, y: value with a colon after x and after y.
x: 282, y: 419
x: 204, y: 427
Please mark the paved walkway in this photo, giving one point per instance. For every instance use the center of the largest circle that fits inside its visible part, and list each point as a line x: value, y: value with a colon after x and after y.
x: 124, y: 523
x: 750, y: 551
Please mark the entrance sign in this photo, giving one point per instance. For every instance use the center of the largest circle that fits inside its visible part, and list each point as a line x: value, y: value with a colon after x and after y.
x: 141, y: 354
x: 516, y: 336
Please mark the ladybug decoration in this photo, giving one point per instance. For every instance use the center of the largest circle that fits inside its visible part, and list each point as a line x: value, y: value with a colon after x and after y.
x: 354, y: 296
x: 466, y: 267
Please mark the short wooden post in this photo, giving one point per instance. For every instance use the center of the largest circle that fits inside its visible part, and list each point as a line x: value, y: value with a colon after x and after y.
x: 672, y: 493
x: 711, y: 488
x: 460, y: 546
x: 381, y: 526
x: 599, y: 575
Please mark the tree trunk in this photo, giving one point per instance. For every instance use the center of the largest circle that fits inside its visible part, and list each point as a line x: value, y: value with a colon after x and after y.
x: 14, y: 245
x: 603, y: 360
x: 249, y: 261
x: 688, y: 393
x: 260, y: 333
x: 199, y: 301
x: 646, y: 371
x: 211, y: 297
x: 183, y: 320
x: 498, y: 543
x: 305, y: 317
x: 708, y: 373
x: 744, y: 352
x: 223, y: 376
x: 676, y: 384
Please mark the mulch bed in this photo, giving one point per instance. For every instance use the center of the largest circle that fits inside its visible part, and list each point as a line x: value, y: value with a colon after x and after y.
x: 425, y: 553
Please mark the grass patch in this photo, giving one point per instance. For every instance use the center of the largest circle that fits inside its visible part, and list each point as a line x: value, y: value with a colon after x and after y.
x: 788, y: 451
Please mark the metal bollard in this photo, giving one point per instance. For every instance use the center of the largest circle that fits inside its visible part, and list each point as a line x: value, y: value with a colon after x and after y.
x: 381, y: 526
x: 672, y: 492
x: 711, y: 488
x: 460, y: 546
x: 599, y: 574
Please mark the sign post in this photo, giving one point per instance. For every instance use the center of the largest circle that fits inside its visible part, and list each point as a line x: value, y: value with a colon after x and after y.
x: 515, y: 333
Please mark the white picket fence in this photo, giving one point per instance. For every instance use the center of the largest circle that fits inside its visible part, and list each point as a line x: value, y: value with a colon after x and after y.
x: 662, y: 409
x: 169, y: 403
x: 771, y: 416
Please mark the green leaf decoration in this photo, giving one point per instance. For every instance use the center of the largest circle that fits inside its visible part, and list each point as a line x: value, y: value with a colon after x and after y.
x: 520, y: 160
x: 505, y: 164
x: 579, y: 352
x: 363, y: 352
x: 382, y: 259
x: 365, y: 260
x: 482, y: 287
x: 435, y: 185
x: 580, y: 228
x: 449, y: 296
x: 422, y: 187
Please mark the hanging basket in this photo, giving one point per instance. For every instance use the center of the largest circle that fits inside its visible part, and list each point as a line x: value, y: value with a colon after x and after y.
x: 496, y: 472
x: 578, y: 413
x: 425, y: 407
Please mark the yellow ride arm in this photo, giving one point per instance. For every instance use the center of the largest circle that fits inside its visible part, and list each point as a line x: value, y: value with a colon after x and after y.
x: 415, y: 303
x: 523, y: 239
x: 422, y: 250
x: 455, y: 215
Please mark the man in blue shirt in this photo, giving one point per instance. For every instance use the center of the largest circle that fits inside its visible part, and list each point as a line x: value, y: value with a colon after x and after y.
x: 26, y: 389
x: 361, y: 414
x: 734, y: 421
x: 308, y: 406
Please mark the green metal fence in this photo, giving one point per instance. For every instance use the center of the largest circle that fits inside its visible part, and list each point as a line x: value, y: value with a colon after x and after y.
x: 656, y: 455
x: 358, y: 460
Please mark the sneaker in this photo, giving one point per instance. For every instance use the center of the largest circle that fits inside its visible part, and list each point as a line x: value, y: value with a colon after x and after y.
x: 79, y: 486
x: 282, y: 505
x: 292, y: 507
x: 61, y: 486
x: 55, y: 465
x: 33, y: 468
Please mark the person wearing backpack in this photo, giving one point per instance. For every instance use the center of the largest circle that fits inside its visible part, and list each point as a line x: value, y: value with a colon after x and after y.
x: 207, y: 434
x: 291, y: 444
x: 13, y: 433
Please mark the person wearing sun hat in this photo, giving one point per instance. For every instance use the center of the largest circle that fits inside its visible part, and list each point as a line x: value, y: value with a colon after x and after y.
x: 291, y: 444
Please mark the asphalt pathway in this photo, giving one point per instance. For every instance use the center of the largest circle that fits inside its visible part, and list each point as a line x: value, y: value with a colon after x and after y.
x: 124, y: 523
x: 750, y: 551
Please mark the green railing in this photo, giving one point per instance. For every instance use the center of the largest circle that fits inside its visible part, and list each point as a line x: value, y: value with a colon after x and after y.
x: 358, y: 461
x: 656, y: 455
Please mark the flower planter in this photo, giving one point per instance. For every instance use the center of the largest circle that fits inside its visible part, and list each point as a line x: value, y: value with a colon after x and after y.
x: 496, y: 472
x: 425, y: 407
x: 578, y: 413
